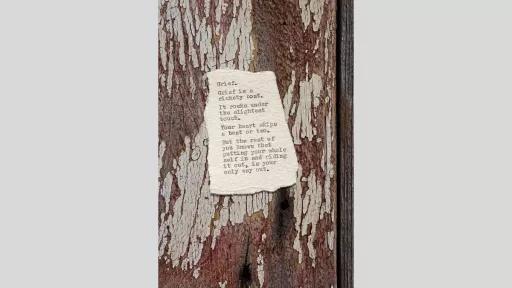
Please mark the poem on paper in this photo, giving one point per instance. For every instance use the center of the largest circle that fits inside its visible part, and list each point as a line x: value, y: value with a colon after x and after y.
x: 250, y: 146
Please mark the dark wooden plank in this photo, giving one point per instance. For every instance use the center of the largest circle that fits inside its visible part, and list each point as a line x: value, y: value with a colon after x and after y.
x: 344, y: 117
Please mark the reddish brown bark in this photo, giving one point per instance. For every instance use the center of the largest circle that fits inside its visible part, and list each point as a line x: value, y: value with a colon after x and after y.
x: 281, y: 239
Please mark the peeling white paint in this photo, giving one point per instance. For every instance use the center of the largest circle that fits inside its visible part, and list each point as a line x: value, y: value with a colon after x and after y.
x: 302, y: 126
x: 309, y: 98
x: 316, y: 45
x: 313, y: 196
x: 316, y: 87
x: 221, y: 221
x: 297, y: 212
x: 203, y: 46
x: 184, y: 236
x: 235, y: 208
x: 293, y: 109
x: 165, y: 191
x: 238, y: 38
x: 287, y: 99
x: 185, y: 21
x: 327, y: 36
x: 261, y: 269
x: 330, y: 240
x: 196, y: 273
x: 328, y: 168
x: 161, y: 151
x: 311, y: 205
x: 317, y: 9
x: 305, y: 12
x: 224, y: 6
x: 177, y: 30
x: 184, y: 230
x: 310, y: 8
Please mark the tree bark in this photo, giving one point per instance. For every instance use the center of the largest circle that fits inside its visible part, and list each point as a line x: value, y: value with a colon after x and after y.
x: 285, y: 238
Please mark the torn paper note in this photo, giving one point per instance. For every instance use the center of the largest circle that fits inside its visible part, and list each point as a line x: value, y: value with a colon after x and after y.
x: 250, y: 146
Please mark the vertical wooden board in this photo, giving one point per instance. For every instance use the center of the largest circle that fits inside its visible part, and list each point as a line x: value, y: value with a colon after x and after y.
x: 281, y: 239
x: 345, y: 90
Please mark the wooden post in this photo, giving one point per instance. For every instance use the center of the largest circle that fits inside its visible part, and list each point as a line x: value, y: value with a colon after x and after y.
x: 345, y: 174
x: 281, y: 239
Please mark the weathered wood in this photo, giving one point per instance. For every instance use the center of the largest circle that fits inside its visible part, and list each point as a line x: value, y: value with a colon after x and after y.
x: 281, y: 239
x: 345, y: 175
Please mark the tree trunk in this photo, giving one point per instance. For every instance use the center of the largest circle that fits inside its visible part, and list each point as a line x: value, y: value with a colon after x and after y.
x: 285, y: 238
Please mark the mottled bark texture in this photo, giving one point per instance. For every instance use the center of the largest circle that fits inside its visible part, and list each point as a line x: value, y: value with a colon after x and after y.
x: 281, y: 239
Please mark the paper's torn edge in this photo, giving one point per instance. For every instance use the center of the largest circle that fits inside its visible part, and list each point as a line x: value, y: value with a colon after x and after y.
x: 283, y: 121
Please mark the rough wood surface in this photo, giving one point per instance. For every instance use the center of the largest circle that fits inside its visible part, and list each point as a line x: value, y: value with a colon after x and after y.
x: 281, y: 239
x: 345, y: 90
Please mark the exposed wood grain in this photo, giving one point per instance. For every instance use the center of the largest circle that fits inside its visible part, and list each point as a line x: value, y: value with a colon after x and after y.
x: 345, y: 73
x: 281, y: 239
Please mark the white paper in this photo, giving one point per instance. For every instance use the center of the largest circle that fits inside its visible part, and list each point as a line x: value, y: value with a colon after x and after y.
x: 250, y: 146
